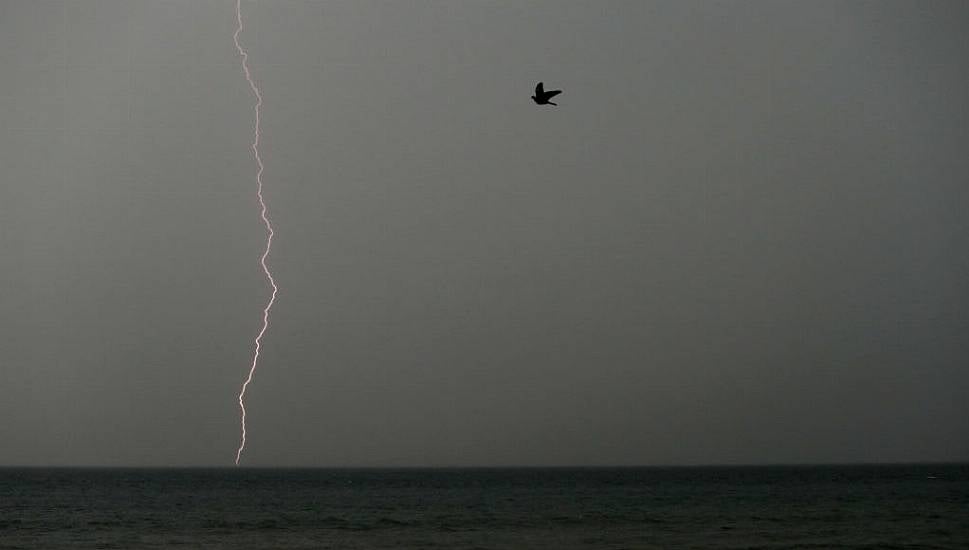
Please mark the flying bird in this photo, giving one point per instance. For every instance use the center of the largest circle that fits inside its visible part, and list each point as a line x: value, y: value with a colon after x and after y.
x: 542, y: 97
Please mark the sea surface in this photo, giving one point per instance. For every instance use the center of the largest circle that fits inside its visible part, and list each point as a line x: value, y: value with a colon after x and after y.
x: 913, y: 506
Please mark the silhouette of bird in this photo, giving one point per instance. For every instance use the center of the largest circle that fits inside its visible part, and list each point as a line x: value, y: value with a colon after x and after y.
x: 542, y: 97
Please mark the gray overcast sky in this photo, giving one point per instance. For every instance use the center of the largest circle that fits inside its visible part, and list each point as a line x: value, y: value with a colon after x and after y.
x: 740, y: 238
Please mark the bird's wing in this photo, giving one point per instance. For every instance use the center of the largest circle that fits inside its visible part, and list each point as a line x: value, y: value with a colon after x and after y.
x: 540, y: 89
x: 553, y: 93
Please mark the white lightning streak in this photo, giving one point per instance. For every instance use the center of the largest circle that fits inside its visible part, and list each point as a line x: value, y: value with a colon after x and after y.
x: 265, y: 219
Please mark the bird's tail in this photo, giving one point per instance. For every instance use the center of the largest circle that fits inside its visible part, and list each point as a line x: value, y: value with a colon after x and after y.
x: 550, y: 103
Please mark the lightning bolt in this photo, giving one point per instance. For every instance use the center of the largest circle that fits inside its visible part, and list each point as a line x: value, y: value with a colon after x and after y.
x: 265, y: 219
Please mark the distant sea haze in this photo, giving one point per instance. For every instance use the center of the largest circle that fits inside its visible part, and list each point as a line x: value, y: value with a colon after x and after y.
x: 891, y: 506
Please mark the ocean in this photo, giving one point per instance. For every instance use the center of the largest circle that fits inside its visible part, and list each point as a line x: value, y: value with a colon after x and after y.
x: 897, y: 506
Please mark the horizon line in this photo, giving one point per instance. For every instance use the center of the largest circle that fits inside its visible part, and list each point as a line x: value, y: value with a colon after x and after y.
x: 962, y: 462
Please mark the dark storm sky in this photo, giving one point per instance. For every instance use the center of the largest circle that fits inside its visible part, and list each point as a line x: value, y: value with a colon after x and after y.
x: 741, y: 237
